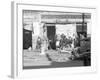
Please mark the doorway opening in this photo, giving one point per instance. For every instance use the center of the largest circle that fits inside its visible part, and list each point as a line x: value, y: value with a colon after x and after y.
x: 51, y: 32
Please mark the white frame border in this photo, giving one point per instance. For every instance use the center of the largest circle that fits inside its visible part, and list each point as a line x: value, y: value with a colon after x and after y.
x: 16, y: 63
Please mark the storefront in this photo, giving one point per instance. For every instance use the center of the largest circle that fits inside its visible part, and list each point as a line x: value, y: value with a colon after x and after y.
x: 55, y: 23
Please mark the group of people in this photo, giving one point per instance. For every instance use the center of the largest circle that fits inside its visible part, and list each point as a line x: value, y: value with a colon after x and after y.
x: 60, y: 42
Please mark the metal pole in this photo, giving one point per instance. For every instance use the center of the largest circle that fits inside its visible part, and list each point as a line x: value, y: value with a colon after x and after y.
x: 83, y: 22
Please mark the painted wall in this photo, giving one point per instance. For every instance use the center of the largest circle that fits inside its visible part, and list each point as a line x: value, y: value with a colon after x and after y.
x: 68, y: 29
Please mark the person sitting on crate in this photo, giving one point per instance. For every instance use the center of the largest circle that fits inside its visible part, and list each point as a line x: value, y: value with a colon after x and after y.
x: 58, y: 41
x: 38, y: 45
x: 83, y: 52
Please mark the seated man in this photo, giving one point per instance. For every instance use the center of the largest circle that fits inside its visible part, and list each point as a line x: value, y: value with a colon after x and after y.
x: 83, y: 52
x: 38, y: 45
x: 58, y: 42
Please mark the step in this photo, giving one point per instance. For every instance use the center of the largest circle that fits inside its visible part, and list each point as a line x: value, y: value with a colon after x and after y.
x: 37, y: 63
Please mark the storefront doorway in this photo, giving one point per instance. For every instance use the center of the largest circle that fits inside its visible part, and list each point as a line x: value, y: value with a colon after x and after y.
x: 51, y: 32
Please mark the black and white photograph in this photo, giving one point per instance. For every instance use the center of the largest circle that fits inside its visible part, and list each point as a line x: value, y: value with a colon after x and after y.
x: 56, y: 39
